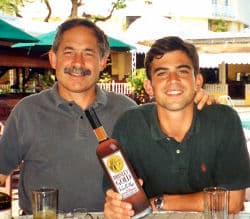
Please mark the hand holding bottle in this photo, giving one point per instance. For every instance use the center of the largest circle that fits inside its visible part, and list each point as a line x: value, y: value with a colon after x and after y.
x: 115, y: 207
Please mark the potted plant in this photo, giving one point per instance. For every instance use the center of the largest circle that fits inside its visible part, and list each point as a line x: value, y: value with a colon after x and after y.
x: 136, y: 80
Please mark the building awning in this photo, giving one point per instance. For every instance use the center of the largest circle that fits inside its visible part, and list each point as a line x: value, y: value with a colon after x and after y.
x: 46, y: 40
x: 212, y: 60
x: 11, y: 33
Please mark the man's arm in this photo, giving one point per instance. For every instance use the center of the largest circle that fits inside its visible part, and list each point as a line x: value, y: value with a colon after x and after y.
x: 114, y: 207
x: 194, y: 202
x: 2, y: 179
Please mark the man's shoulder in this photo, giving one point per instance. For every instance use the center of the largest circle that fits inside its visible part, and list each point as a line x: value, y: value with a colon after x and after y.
x: 37, y: 99
x: 140, y: 110
x: 119, y: 101
x: 136, y: 118
x: 37, y: 96
x: 220, y: 109
x: 219, y: 113
x: 118, y: 96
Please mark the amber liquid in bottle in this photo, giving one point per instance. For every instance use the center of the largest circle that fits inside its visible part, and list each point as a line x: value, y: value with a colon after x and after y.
x: 118, y: 169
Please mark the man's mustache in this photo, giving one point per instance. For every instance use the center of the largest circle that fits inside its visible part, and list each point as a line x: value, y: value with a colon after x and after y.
x: 79, y: 71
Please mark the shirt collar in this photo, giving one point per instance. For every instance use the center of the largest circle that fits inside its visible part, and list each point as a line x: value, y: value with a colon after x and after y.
x: 155, y: 129
x: 101, y: 97
x: 157, y: 133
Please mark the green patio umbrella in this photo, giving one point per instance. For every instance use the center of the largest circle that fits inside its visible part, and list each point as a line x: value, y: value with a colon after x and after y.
x: 46, y: 40
x: 10, y: 33
x: 119, y: 45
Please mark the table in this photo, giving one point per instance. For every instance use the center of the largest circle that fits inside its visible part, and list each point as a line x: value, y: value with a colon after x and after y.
x: 166, y: 215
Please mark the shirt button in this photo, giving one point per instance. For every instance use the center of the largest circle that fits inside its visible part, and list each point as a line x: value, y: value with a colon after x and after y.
x: 178, y: 151
x: 167, y: 138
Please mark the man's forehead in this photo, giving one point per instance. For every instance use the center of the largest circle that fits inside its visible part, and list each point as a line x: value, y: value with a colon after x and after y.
x: 176, y: 57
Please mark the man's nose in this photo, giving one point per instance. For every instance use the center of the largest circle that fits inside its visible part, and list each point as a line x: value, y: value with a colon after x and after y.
x: 78, y: 60
x: 173, y: 75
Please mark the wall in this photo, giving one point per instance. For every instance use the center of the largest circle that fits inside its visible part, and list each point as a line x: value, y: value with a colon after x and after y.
x: 232, y: 69
x: 121, y: 64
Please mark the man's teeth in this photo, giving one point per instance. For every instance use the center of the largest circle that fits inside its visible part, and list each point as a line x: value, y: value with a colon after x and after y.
x: 174, y: 92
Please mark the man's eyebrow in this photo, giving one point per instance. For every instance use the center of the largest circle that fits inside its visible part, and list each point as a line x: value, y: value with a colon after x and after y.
x: 72, y: 48
x: 177, y: 67
x: 184, y: 66
x: 160, y: 69
x: 68, y: 48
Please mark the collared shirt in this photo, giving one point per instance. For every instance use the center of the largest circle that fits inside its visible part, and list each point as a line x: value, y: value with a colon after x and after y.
x: 212, y: 153
x: 54, y: 143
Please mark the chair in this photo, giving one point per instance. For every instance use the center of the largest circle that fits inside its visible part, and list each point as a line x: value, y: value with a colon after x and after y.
x: 11, y: 184
x: 224, y: 99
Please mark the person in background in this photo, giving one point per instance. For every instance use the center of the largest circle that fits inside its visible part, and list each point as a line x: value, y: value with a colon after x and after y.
x: 48, y: 135
x: 174, y: 148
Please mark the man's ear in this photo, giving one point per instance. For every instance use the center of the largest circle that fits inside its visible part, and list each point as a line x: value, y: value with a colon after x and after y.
x: 52, y: 59
x: 148, y: 87
x: 199, y: 81
x: 103, y: 63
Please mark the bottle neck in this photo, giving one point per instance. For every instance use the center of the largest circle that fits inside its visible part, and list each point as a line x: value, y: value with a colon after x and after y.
x: 100, y: 134
x: 96, y: 125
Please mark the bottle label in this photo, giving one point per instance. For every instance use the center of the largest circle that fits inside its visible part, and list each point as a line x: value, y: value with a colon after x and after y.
x: 5, y: 214
x: 120, y: 174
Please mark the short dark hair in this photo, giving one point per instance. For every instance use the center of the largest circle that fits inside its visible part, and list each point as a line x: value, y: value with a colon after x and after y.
x: 101, y: 37
x: 169, y: 44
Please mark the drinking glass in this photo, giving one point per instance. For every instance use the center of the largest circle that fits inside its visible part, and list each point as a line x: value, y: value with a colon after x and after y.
x: 44, y: 203
x: 215, y: 203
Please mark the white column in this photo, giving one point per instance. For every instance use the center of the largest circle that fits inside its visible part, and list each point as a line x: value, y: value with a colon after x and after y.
x: 133, y: 62
x: 222, y: 73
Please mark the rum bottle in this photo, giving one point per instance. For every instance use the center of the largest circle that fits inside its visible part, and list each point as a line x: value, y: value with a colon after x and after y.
x: 118, y: 169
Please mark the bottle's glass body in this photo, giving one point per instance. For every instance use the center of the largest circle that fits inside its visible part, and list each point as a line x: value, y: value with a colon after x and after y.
x: 118, y: 169
x: 122, y: 176
x: 5, y: 206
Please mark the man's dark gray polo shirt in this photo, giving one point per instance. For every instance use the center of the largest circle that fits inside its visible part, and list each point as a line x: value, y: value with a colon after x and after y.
x: 57, y: 146
x: 213, y: 152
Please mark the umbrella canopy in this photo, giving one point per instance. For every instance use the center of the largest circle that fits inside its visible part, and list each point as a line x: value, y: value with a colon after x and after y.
x: 46, y: 40
x: 119, y: 45
x: 11, y: 33
x: 157, y: 27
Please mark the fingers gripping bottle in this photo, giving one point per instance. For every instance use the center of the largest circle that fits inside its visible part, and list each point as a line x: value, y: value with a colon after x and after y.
x: 118, y: 169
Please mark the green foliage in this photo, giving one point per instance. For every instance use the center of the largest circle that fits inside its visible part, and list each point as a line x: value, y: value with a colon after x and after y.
x: 47, y: 79
x: 137, y: 79
x: 11, y: 7
x: 147, y: 2
x: 219, y: 25
x: 105, y: 78
x: 118, y: 4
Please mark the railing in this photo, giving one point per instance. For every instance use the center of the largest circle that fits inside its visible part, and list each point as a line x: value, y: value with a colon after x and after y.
x: 121, y: 88
x: 126, y: 88
x: 216, y: 89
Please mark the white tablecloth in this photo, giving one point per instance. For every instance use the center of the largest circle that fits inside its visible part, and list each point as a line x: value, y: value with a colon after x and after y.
x: 166, y: 215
